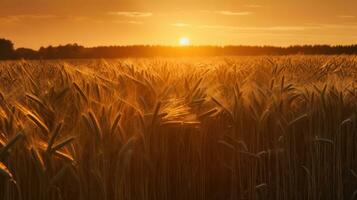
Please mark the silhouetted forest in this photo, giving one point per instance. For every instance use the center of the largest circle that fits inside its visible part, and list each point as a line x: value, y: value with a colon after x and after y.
x: 8, y: 52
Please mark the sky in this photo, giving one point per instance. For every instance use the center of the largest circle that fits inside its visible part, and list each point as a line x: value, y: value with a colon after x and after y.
x: 36, y: 23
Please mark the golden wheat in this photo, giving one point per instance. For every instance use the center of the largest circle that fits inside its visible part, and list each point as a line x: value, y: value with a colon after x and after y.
x: 218, y: 128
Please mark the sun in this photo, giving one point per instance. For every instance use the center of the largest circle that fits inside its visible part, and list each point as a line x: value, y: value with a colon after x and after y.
x: 184, y: 41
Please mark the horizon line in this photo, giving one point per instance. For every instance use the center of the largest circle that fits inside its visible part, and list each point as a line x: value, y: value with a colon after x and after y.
x: 194, y: 46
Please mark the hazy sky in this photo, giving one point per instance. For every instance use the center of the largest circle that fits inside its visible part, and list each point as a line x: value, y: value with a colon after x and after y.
x: 35, y: 23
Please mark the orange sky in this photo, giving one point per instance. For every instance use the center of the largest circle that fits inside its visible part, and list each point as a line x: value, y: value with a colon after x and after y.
x: 35, y: 23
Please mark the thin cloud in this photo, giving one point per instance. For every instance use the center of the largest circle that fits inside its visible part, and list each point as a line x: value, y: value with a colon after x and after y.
x: 231, y: 13
x: 18, y: 18
x: 35, y: 16
x: 132, y: 14
x: 180, y: 25
x: 281, y: 28
x: 271, y: 28
x: 337, y: 26
x: 79, y: 18
x: 128, y: 22
x: 8, y: 19
x: 346, y: 16
x: 253, y: 6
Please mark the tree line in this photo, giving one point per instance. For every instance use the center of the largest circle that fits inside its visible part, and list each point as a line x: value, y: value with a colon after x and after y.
x: 75, y: 51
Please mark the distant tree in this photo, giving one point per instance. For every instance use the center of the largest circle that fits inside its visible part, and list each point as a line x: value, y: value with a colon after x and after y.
x: 66, y: 51
x: 75, y: 51
x: 6, y: 49
x: 25, y: 53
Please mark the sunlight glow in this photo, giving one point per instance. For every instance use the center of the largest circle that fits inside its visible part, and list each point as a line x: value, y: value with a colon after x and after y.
x: 184, y: 41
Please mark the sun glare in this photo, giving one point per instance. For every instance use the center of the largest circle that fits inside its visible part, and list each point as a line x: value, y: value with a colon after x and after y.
x: 184, y: 41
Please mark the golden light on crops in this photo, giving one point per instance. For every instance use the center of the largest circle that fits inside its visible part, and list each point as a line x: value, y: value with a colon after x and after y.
x: 184, y: 41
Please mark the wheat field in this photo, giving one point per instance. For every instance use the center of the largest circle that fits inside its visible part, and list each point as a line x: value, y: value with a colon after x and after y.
x: 222, y: 128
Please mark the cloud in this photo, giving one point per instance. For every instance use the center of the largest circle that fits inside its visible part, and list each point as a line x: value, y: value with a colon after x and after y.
x: 18, y: 18
x: 180, y: 25
x: 336, y: 26
x: 346, y: 16
x: 128, y: 22
x: 282, y: 28
x: 8, y: 19
x: 270, y: 28
x: 132, y: 14
x: 79, y: 18
x: 253, y: 6
x: 231, y: 13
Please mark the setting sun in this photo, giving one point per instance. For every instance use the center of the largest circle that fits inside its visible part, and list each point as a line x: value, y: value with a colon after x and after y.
x: 184, y: 41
